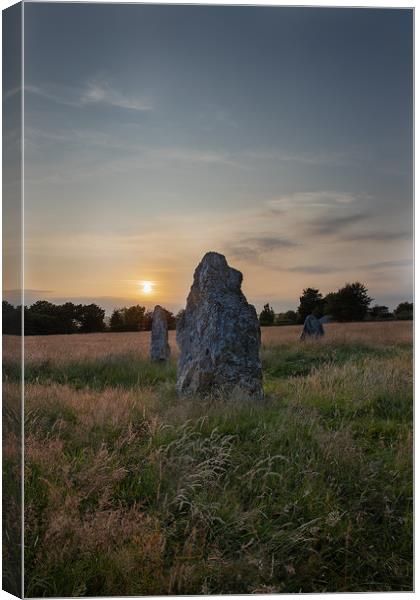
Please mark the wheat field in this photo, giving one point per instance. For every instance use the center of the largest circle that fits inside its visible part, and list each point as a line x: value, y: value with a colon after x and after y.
x: 130, y: 490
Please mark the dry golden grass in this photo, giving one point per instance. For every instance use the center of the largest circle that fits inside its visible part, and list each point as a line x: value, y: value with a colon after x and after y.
x: 64, y: 348
x: 392, y: 332
x: 130, y: 490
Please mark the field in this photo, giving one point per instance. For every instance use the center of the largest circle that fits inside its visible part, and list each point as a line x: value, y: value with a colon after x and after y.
x: 130, y: 490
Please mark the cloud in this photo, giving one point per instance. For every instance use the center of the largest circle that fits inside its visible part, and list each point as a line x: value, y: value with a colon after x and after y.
x: 28, y: 290
x: 315, y: 269
x: 59, y: 95
x: 335, y: 159
x: 324, y: 269
x: 75, y: 136
x: 272, y: 243
x: 92, y: 93
x: 191, y: 155
x: 253, y: 248
x: 30, y: 295
x: 388, y: 264
x: 310, y: 200
x: 79, y: 167
x: 379, y: 236
x: 103, y: 93
x: 329, y: 225
x: 86, y: 137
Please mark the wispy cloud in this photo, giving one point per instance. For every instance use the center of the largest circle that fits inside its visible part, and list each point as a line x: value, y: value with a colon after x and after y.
x: 30, y: 295
x: 191, y: 155
x: 75, y: 136
x: 310, y: 200
x: 59, y: 95
x: 325, y: 269
x: 252, y: 248
x: 378, y: 236
x: 92, y: 93
x: 85, y: 137
x: 30, y: 290
x: 315, y: 269
x: 133, y: 157
x: 103, y: 93
x: 335, y: 159
x: 388, y: 264
x: 328, y: 225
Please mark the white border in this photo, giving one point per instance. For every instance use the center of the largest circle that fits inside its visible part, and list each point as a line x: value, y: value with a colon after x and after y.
x: 321, y: 3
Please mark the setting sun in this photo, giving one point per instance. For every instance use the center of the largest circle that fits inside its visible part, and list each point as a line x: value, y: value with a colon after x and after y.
x: 147, y: 287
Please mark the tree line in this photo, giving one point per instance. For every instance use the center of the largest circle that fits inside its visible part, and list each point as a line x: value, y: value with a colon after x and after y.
x: 46, y: 318
x: 349, y: 303
x: 136, y: 318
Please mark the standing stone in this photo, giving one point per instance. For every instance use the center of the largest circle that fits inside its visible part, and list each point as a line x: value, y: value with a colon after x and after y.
x: 218, y: 334
x: 159, y: 346
x: 312, y: 327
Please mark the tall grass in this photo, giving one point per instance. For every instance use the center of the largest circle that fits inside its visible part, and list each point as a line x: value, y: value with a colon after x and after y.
x: 131, y: 490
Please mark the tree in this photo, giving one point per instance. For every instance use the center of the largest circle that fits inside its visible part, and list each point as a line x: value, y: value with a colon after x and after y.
x: 128, y: 319
x: 42, y: 318
x: 67, y: 314
x: 8, y: 308
x: 37, y: 323
x: 171, y: 319
x: 134, y: 318
x: 12, y: 319
x: 311, y: 303
x: 350, y: 303
x: 147, y: 321
x: 43, y: 307
x: 267, y: 315
x: 116, y: 322
x: 91, y: 318
x: 404, y: 311
x: 291, y: 315
x: 148, y: 316
x: 287, y: 318
x: 379, y: 313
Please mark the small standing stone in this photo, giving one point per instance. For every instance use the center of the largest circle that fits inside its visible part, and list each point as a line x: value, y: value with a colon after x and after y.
x: 312, y: 327
x: 159, y: 346
x: 218, y: 334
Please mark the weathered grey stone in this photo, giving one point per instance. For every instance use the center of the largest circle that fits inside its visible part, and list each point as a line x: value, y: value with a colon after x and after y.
x: 218, y: 334
x: 159, y: 346
x: 312, y: 327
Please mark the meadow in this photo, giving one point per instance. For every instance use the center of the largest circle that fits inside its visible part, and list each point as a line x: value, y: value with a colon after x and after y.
x: 130, y: 490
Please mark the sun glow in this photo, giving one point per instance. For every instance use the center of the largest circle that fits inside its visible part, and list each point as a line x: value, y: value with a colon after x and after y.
x: 147, y: 287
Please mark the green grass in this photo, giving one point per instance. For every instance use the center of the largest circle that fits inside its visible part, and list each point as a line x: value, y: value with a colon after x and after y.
x: 125, y: 371
x: 132, y: 490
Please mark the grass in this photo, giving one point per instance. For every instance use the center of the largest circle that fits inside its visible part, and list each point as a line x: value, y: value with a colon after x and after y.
x: 131, y: 490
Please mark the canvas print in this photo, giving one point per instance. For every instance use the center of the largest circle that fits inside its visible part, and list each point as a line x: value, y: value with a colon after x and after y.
x: 207, y: 299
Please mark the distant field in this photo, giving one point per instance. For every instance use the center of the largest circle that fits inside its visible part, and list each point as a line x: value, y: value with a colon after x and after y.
x: 131, y: 490
x: 92, y: 345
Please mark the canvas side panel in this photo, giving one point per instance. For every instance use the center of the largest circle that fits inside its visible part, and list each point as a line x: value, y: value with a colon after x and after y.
x: 12, y: 299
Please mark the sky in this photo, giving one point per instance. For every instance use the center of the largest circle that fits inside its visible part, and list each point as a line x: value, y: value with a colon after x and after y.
x: 280, y: 137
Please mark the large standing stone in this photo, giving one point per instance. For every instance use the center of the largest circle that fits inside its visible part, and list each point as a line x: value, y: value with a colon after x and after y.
x: 218, y: 334
x: 312, y: 327
x: 159, y: 346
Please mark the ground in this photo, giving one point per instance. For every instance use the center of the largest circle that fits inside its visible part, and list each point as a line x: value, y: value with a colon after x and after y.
x: 130, y: 490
